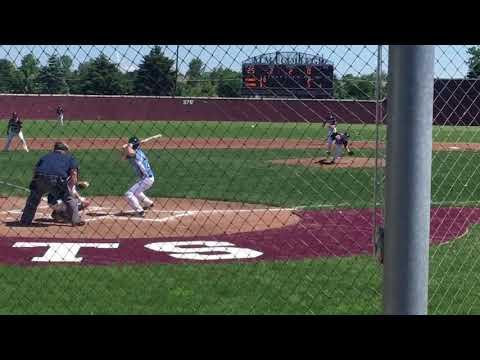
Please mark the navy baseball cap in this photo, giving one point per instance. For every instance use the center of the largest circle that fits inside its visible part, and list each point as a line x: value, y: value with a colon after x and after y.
x: 60, y: 146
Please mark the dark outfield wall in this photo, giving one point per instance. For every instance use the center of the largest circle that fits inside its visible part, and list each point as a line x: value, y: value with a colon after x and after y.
x: 457, y: 102
x: 177, y: 109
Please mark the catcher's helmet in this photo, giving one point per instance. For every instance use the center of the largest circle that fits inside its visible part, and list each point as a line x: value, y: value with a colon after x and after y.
x: 59, y: 145
x: 134, y: 141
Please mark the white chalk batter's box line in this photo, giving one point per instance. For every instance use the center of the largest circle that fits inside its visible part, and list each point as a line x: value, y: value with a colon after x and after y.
x: 176, y: 214
x: 200, y: 211
x: 227, y: 211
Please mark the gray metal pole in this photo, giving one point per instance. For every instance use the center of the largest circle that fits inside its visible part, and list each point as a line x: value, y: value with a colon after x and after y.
x: 176, y: 73
x: 408, y: 179
x: 378, y: 119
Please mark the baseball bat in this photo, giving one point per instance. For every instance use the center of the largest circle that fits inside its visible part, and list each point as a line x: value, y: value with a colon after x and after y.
x: 151, y: 138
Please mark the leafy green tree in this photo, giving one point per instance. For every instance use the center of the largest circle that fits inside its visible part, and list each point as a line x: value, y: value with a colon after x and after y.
x: 180, y: 85
x: 473, y: 62
x: 155, y: 75
x: 9, y: 78
x: 29, y: 72
x: 338, y: 89
x: 53, y: 77
x: 197, y: 82
x: 360, y: 87
x: 195, y: 70
x: 227, y: 82
x: 129, y: 82
x: 99, y: 76
x: 66, y: 63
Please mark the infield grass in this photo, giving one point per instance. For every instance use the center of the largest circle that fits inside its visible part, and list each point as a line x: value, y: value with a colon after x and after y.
x: 249, y: 176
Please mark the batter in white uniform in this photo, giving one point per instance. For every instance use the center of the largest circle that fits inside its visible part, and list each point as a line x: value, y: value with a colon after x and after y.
x: 135, y: 196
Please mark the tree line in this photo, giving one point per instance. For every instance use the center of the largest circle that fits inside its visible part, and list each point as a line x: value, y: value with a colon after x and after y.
x: 156, y: 75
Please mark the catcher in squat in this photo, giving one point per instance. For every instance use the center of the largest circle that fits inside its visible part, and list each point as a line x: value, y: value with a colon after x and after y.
x: 55, y: 202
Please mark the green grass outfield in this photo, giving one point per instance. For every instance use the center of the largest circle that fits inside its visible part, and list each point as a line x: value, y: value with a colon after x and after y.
x: 142, y: 129
x: 321, y: 286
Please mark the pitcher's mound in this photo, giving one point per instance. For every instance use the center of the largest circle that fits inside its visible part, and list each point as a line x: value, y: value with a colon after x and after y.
x: 347, y: 162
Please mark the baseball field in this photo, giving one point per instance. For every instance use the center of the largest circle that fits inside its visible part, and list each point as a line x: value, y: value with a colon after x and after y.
x: 245, y: 222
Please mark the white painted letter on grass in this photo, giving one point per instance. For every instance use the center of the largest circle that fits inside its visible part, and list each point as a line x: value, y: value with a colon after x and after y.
x: 63, y: 252
x: 177, y: 250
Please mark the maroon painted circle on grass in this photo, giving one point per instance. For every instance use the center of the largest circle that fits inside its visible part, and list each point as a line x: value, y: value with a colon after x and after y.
x: 325, y: 233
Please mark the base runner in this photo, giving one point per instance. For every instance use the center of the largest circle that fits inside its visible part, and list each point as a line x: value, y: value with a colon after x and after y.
x: 15, y: 129
x: 135, y: 196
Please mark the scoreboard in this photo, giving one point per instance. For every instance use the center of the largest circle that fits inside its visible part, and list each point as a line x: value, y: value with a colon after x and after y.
x: 281, y: 80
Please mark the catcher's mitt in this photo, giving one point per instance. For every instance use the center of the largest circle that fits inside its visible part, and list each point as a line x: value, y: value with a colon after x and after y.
x: 83, y: 184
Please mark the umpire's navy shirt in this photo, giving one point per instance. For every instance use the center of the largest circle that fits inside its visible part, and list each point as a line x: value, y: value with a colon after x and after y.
x: 56, y: 163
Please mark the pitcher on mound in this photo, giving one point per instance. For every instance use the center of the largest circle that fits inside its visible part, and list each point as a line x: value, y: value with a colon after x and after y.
x: 135, y: 196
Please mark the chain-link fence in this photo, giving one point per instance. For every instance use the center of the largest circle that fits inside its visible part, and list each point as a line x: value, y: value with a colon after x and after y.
x: 217, y: 179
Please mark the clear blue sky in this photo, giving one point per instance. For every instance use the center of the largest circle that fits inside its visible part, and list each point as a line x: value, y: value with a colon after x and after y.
x: 353, y: 59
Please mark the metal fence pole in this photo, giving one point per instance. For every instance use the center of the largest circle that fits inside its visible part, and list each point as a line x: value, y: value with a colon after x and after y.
x: 408, y: 179
x: 176, y: 73
x: 378, y: 120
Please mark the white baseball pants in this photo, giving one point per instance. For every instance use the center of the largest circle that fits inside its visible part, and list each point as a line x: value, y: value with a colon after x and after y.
x: 60, y: 119
x: 135, y: 195
x: 10, y: 137
x: 338, y: 151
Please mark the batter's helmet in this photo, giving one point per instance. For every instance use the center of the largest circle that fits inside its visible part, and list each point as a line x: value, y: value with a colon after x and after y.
x: 134, y: 141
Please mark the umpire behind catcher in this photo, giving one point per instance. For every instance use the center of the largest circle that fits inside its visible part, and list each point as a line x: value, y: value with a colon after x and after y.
x: 54, y: 173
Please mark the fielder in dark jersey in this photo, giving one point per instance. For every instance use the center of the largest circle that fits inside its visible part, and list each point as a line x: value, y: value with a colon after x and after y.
x: 60, y: 112
x: 15, y: 129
